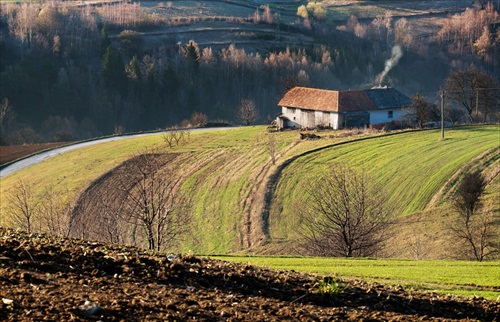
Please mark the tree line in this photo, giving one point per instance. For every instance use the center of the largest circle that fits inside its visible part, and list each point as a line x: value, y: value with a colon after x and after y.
x: 76, y: 72
x: 64, y: 77
x: 466, y: 37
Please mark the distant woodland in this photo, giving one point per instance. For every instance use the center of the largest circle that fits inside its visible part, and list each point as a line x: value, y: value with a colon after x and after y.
x: 72, y: 72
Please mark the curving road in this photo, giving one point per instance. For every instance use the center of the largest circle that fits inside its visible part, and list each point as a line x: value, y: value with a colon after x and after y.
x: 39, y: 157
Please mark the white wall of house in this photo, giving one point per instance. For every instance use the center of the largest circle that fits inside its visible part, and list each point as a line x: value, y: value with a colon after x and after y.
x: 299, y: 118
x: 307, y: 118
x: 331, y: 119
x: 293, y: 115
x: 383, y: 116
x: 319, y: 117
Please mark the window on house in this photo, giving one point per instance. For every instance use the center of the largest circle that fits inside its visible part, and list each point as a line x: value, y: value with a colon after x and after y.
x: 389, y: 114
x: 291, y: 110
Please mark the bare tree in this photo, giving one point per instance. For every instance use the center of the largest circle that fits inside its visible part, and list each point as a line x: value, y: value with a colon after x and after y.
x: 272, y: 147
x: 421, y: 111
x: 462, y: 86
x: 199, y: 119
x: 22, y: 25
x: 80, y: 214
x: 111, y: 229
x: 56, y: 213
x: 344, y: 214
x: 23, y: 206
x: 247, y: 112
x: 169, y: 138
x: 4, y: 109
x: 150, y: 202
x: 474, y: 228
x: 174, y: 135
x: 267, y: 15
x: 416, y: 245
x: 96, y: 214
x: 403, y: 33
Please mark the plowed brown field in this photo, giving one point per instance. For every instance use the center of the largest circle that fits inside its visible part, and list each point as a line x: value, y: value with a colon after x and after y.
x: 58, y: 279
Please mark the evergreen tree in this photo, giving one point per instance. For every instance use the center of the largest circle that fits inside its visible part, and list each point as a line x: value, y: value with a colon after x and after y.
x: 192, y: 53
x: 133, y: 69
x: 105, y: 42
x: 113, y: 71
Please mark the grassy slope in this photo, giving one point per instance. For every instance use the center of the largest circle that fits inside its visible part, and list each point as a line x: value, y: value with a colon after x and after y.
x: 219, y: 169
x: 413, y: 167
x: 226, y: 183
x: 74, y: 170
x: 223, y: 175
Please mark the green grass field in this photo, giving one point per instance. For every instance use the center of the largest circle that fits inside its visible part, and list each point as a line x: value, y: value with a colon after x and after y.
x: 218, y: 168
x: 412, y: 167
x: 449, y: 277
x: 224, y: 174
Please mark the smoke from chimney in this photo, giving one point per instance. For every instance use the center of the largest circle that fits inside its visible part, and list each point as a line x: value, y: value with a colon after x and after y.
x: 396, y: 55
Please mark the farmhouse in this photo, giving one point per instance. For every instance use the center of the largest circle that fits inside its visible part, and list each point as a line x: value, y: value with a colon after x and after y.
x: 304, y: 107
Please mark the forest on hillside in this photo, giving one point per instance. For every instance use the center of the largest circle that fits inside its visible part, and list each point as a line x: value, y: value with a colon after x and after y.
x: 71, y: 72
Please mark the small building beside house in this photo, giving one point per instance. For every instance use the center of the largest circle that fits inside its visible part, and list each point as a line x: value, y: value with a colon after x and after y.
x: 304, y: 107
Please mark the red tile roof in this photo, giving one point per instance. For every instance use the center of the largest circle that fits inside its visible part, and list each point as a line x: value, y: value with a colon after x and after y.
x: 311, y: 99
x: 343, y: 101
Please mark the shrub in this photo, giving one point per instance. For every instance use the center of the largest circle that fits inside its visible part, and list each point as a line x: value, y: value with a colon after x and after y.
x: 199, y: 119
x: 331, y: 287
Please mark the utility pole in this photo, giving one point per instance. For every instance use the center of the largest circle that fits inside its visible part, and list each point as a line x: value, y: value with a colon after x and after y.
x: 442, y: 115
x: 477, y: 104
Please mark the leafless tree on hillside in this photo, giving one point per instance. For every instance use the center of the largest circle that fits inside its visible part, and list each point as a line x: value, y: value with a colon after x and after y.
x: 463, y: 86
x: 80, y: 214
x: 403, y: 33
x: 267, y: 15
x: 23, y: 21
x: 175, y: 135
x: 111, y: 227
x: 56, y: 213
x: 247, y: 112
x: 151, y: 203
x: 97, y: 212
x: 22, y: 211
x: 272, y: 147
x: 474, y: 229
x: 4, y: 109
x: 344, y: 214
x: 420, y: 112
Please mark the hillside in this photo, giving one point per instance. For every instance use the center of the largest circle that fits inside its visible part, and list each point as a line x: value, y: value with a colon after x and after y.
x: 416, y: 170
x: 43, y: 277
x: 237, y: 200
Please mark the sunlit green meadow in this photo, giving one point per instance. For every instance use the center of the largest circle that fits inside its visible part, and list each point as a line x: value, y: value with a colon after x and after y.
x: 224, y: 174
x: 449, y: 277
x: 411, y: 166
